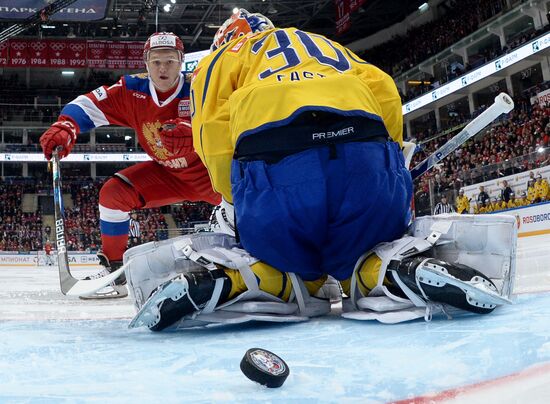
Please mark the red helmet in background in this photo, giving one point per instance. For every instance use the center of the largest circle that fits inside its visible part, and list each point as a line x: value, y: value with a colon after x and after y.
x: 163, y: 40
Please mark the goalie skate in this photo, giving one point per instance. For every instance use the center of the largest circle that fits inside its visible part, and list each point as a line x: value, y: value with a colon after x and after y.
x: 480, y: 292
x: 454, y: 284
x: 185, y: 294
x: 149, y: 315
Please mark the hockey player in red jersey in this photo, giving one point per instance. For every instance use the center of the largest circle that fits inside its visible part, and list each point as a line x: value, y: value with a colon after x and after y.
x: 156, y: 106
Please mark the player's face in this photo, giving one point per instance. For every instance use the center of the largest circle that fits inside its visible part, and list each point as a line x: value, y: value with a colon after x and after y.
x: 164, y: 66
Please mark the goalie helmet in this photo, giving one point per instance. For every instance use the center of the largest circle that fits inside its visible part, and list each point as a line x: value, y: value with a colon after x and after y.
x: 163, y: 40
x: 239, y: 24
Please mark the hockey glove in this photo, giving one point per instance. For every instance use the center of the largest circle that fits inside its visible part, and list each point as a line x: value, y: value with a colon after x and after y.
x: 62, y: 133
x: 176, y: 136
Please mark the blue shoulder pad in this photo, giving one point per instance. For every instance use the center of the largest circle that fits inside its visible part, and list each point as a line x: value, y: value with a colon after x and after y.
x: 138, y: 82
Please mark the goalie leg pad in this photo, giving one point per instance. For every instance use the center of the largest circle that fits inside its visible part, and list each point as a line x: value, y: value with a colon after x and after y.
x: 455, y: 284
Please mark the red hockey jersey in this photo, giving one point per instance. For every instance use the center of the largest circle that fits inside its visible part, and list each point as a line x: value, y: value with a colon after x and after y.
x: 132, y: 102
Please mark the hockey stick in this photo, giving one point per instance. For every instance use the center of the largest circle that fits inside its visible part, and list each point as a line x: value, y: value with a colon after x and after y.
x: 502, y: 105
x: 69, y: 284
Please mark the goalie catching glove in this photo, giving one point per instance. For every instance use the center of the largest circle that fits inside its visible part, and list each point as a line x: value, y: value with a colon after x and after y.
x: 62, y: 133
x: 176, y: 136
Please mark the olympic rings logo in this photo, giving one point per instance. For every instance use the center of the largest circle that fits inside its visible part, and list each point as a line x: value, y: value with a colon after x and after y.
x: 57, y: 46
x: 18, y: 46
x: 77, y: 47
x: 38, y: 46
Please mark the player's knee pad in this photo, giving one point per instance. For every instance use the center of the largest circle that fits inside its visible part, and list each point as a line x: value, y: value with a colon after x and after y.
x: 119, y: 195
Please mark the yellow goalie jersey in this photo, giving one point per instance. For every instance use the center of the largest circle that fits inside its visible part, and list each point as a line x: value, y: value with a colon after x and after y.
x: 263, y: 81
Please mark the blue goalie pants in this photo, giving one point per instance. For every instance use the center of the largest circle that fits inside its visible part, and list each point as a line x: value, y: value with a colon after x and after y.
x: 317, y: 211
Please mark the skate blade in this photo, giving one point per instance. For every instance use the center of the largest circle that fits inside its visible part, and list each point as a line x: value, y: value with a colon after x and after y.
x: 117, y: 292
x: 479, y: 292
x: 149, y: 314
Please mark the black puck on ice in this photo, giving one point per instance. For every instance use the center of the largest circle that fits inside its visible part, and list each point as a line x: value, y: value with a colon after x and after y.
x: 264, y: 367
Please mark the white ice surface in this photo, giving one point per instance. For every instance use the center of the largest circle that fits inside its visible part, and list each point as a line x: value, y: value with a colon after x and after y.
x: 59, y: 349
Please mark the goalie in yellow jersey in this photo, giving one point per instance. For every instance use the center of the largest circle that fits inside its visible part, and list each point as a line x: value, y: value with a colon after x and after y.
x: 303, y: 140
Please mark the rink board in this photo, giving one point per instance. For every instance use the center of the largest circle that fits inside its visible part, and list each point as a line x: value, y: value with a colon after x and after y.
x: 54, y: 348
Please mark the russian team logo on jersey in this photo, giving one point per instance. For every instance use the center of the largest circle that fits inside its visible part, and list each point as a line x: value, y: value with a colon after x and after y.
x: 100, y: 93
x: 184, y: 109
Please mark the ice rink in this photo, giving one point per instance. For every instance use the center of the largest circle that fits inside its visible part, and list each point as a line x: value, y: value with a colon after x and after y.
x: 59, y: 349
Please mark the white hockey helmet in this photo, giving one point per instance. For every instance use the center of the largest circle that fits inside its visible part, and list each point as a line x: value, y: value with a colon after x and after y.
x: 239, y: 24
x: 163, y: 40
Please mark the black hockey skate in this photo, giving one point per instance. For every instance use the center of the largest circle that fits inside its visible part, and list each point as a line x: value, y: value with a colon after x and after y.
x: 115, y: 290
x: 185, y: 294
x: 457, y: 285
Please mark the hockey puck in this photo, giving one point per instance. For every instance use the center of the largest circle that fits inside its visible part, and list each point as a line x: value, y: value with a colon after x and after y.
x: 264, y: 367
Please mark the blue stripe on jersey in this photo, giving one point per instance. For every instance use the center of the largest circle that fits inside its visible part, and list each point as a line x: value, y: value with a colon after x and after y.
x: 286, y: 121
x: 355, y: 59
x: 79, y: 115
x: 209, y: 72
x: 185, y: 90
x: 137, y: 84
x: 114, y: 228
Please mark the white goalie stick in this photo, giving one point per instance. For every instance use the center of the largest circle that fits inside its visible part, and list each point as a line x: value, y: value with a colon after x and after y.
x: 69, y: 284
x: 502, y: 105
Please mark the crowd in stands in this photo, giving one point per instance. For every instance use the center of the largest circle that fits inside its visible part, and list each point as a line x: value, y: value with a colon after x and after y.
x: 19, y: 231
x: 455, y: 70
x: 82, y: 220
x: 403, y: 52
x: 519, y: 143
x: 462, y: 18
x: 17, y: 102
x: 189, y: 214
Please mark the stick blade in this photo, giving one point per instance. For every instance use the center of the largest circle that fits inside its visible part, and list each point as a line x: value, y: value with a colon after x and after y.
x: 90, y: 286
